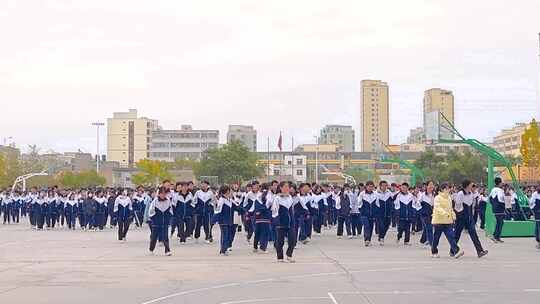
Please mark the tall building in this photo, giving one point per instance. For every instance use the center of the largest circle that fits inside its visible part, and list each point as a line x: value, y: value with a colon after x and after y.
x: 375, y: 115
x: 508, y: 141
x: 186, y: 143
x: 245, y: 134
x: 343, y: 136
x: 416, y: 136
x: 436, y: 102
x: 128, y: 137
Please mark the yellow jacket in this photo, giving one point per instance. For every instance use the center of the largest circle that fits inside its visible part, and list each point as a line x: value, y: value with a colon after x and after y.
x: 443, y: 213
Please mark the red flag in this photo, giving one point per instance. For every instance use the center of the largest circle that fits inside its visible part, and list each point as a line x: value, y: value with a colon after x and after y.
x: 280, y: 142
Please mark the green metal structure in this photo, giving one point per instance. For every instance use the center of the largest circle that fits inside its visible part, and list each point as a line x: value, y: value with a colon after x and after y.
x: 510, y: 228
x: 416, y: 173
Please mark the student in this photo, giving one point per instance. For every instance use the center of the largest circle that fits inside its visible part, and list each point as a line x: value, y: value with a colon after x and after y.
x: 111, y: 198
x: 101, y: 210
x: 261, y: 212
x: 332, y: 211
x: 52, y: 210
x: 204, y: 209
x: 89, y: 210
x: 464, y: 216
x: 6, y: 203
x: 404, y: 207
x: 301, y: 213
x: 224, y: 215
x: 534, y: 204
x: 283, y: 211
x: 369, y: 210
x: 160, y: 213
x: 252, y: 194
x: 343, y: 207
x: 318, y: 208
x: 496, y: 199
x: 443, y: 219
x: 386, y: 203
x: 183, y: 205
x: 122, y: 210
x: 70, y: 210
x: 356, y: 226
x: 237, y: 197
x: 39, y: 209
x: 426, y: 199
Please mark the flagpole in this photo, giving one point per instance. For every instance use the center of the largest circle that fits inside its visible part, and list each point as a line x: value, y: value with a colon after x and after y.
x: 268, y: 160
x: 292, y: 159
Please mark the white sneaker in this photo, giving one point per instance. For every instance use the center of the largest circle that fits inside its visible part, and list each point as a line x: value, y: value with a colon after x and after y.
x: 150, y: 253
x: 168, y: 253
x: 290, y: 260
x: 264, y: 251
x: 339, y: 237
x: 281, y: 261
x: 435, y: 256
x: 350, y: 237
x: 459, y: 254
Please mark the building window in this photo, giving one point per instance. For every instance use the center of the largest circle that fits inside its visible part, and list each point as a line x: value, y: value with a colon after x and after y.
x: 299, y: 161
x: 299, y: 172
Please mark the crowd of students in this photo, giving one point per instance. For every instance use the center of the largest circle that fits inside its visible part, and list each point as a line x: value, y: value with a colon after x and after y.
x: 278, y: 211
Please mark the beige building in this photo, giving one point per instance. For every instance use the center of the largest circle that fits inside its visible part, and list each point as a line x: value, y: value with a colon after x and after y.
x: 340, y: 135
x: 508, y: 141
x: 129, y: 137
x: 245, y: 134
x: 375, y: 115
x: 438, y: 101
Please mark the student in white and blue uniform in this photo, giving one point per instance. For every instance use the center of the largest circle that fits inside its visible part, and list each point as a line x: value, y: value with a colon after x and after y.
x: 356, y: 226
x: 369, y: 210
x: 224, y: 216
x: 426, y: 200
x: 123, y: 209
x: 283, y: 211
x: 534, y: 204
x: 6, y: 203
x: 160, y: 213
x: 263, y: 215
x: 301, y: 213
x: 496, y: 198
x: 249, y: 218
x: 70, y: 210
x: 404, y: 207
x: 204, y: 210
x: 343, y: 209
x: 463, y: 207
x: 40, y: 209
x: 386, y: 211
x: 101, y: 210
x: 183, y: 205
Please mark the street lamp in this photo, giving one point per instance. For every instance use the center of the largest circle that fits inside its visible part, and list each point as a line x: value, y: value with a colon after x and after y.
x: 97, y: 124
x: 316, y: 159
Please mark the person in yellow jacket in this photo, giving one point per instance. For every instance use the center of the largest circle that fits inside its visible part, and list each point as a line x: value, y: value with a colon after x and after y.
x: 443, y: 222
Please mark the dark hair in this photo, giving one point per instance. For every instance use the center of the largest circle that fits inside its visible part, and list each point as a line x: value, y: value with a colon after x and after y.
x: 498, y: 181
x: 383, y: 182
x: 370, y: 183
x: 205, y: 182
x: 224, y: 189
x: 280, y: 185
x: 405, y: 184
x: 465, y: 184
x: 444, y: 186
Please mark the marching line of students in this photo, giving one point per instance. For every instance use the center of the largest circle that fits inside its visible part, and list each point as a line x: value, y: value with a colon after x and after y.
x: 275, y: 212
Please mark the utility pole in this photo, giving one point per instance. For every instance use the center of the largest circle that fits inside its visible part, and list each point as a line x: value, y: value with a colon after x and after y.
x: 97, y: 124
x: 316, y: 159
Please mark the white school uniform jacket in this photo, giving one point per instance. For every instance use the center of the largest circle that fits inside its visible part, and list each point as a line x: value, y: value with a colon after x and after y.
x: 461, y: 199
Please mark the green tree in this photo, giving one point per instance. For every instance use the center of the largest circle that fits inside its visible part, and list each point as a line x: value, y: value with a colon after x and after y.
x: 360, y: 174
x: 32, y: 162
x: 81, y: 180
x: 229, y: 163
x: 454, y: 167
x: 151, y: 172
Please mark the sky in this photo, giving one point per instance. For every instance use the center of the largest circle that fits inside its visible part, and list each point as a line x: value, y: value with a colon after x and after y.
x: 289, y: 66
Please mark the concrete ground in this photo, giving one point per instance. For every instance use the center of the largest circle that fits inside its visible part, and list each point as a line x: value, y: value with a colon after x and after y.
x: 63, y: 266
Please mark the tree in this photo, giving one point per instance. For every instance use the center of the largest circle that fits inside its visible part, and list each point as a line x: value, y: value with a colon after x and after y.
x: 530, y: 146
x: 152, y: 172
x: 85, y: 179
x: 360, y: 174
x: 453, y: 167
x: 231, y: 162
x: 32, y: 162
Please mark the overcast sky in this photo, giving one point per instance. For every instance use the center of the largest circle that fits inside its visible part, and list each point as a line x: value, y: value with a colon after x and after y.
x: 288, y: 65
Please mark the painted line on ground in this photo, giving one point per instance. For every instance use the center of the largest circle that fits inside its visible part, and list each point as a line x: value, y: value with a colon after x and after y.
x: 275, y: 300
x: 332, y: 298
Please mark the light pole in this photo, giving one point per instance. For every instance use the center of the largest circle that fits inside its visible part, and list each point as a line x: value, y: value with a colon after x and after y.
x: 316, y: 159
x: 97, y: 124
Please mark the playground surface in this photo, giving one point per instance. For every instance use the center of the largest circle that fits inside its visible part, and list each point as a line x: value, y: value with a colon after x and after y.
x: 92, y: 267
